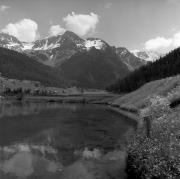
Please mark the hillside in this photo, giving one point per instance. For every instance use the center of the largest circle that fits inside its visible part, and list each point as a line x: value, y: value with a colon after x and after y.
x: 167, y: 87
x: 93, y: 69
x: 19, y: 66
x: 164, y: 67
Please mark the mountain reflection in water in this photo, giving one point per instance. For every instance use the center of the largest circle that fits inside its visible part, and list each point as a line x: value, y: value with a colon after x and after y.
x: 50, y: 140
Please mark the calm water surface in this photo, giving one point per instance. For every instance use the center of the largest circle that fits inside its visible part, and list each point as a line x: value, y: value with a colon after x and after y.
x: 50, y: 140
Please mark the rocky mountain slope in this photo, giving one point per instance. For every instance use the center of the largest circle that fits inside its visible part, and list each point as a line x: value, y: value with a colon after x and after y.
x: 133, y: 62
x: 54, y: 50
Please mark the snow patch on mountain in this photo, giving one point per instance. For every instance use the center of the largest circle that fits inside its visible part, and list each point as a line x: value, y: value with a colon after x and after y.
x: 47, y: 47
x: 98, y: 44
x: 147, y: 55
x: 27, y: 46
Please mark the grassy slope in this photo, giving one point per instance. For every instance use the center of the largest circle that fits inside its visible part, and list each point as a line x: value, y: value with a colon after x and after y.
x: 157, y: 156
x: 136, y: 99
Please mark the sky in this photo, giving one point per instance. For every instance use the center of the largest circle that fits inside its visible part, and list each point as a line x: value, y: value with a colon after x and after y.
x: 134, y: 24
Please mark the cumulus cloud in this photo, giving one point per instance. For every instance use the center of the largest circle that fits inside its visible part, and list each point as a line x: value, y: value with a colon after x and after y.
x: 3, y: 8
x: 82, y: 24
x: 162, y: 44
x: 25, y: 30
x: 158, y: 44
x: 56, y: 29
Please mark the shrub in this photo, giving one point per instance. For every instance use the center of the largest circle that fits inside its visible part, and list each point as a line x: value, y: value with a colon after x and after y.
x: 158, y: 156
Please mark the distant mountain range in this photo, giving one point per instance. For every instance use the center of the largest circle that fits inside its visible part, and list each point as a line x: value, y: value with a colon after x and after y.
x: 89, y: 63
x: 166, y: 66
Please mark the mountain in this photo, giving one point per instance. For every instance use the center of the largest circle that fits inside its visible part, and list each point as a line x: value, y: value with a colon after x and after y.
x: 90, y: 62
x: 166, y: 66
x: 147, y: 55
x: 54, y: 50
x: 10, y: 42
x: 133, y: 62
x: 16, y: 65
x: 94, y: 68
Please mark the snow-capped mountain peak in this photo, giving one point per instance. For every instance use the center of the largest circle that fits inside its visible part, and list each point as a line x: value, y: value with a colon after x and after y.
x: 66, y: 40
x: 10, y: 42
x: 147, y: 55
x: 96, y: 43
x: 55, y: 50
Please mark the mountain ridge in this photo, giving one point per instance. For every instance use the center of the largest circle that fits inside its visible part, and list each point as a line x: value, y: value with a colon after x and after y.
x: 69, y: 54
x: 56, y: 49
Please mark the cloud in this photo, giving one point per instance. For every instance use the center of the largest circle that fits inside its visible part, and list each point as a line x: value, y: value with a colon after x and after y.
x: 108, y: 5
x: 158, y: 44
x: 3, y: 8
x: 25, y: 30
x: 162, y: 44
x: 56, y: 29
x: 82, y: 24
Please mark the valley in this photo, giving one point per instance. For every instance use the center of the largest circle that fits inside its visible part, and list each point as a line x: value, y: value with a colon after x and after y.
x: 66, y: 69
x: 70, y: 57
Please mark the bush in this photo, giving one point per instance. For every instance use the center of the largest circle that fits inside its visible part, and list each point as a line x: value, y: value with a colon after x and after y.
x: 158, y: 156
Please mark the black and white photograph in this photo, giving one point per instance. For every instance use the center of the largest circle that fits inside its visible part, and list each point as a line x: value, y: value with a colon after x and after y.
x: 89, y: 89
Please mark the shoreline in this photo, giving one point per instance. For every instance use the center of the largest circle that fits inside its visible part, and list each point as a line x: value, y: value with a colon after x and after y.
x: 100, y: 99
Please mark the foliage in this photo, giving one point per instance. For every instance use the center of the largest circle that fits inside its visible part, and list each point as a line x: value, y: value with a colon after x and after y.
x: 156, y: 106
x: 158, y: 156
x: 169, y: 87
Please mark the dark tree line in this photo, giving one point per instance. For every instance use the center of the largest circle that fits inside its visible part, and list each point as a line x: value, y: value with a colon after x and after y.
x: 164, y: 67
x: 18, y: 91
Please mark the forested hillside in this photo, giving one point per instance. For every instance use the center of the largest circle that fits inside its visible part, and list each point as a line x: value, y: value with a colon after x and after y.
x: 94, y: 68
x: 19, y: 66
x: 164, y: 67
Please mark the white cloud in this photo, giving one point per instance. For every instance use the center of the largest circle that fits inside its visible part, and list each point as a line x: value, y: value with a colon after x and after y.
x: 108, y: 5
x: 56, y: 29
x: 25, y: 30
x: 176, y: 40
x: 158, y: 44
x: 82, y: 24
x: 3, y: 8
x: 162, y: 44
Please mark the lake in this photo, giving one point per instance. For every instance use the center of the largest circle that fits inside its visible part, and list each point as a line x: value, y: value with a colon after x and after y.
x: 64, y: 141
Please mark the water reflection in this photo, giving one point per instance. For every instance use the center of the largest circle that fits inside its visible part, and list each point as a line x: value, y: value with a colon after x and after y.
x: 50, y: 140
x: 23, y: 160
x: 26, y: 108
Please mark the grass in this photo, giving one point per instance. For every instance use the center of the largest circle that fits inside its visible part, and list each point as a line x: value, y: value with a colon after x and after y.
x: 137, y: 99
x: 157, y: 156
